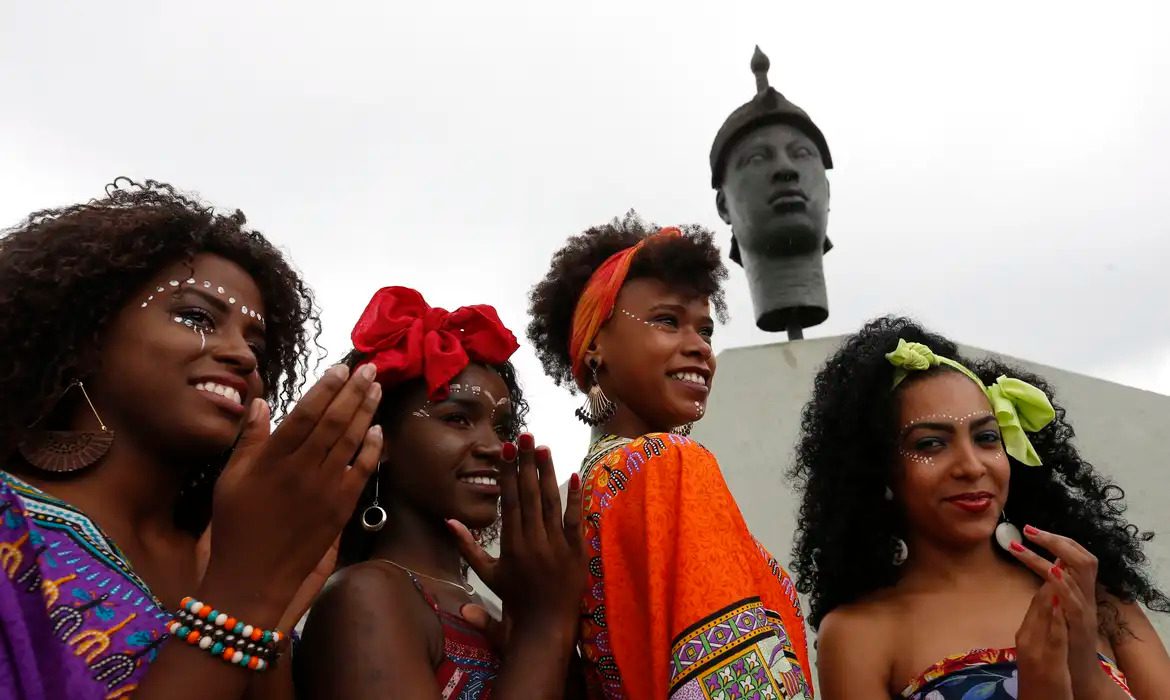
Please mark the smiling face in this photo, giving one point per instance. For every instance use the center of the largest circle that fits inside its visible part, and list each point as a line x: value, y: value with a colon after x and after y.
x: 952, y: 473
x: 178, y: 363
x: 441, y: 455
x: 775, y: 193
x: 656, y: 356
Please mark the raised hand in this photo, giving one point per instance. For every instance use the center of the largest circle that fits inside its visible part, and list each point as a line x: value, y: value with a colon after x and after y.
x: 540, y: 574
x: 283, y: 498
x: 1042, y: 649
x: 1073, y: 577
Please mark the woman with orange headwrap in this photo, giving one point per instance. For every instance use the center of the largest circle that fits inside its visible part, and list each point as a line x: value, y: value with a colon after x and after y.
x: 682, y: 601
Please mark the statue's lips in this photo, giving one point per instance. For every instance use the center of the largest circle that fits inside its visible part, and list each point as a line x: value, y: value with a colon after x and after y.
x: 788, y: 204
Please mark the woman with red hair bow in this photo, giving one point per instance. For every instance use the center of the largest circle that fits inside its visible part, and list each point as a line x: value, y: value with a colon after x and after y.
x: 390, y: 623
x: 682, y: 601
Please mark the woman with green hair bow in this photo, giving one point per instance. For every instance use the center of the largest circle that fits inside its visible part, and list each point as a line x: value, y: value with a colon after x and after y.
x: 917, y: 466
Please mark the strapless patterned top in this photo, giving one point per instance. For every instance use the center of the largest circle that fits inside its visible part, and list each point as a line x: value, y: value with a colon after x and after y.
x: 987, y: 674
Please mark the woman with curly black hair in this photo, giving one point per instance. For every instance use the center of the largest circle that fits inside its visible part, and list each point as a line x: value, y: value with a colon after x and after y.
x: 682, y: 601
x: 144, y: 335
x: 393, y: 622
x: 915, y: 463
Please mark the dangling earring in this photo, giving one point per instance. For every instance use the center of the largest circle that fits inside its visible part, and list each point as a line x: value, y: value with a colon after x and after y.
x: 64, y: 451
x: 1006, y: 533
x: 374, y: 516
x: 683, y: 430
x: 598, y: 408
x: 901, y: 551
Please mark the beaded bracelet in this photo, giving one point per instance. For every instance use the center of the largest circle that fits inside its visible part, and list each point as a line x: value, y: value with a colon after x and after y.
x: 205, y: 635
x: 224, y: 636
x: 227, y: 622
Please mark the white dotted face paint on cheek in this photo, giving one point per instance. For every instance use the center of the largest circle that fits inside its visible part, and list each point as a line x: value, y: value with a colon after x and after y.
x: 205, y: 284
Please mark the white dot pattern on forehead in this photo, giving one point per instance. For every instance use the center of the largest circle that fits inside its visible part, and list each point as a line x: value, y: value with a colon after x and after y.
x: 947, y: 416
x: 206, y: 285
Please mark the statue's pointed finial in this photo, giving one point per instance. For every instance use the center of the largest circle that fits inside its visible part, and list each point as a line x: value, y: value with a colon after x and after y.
x: 760, y: 66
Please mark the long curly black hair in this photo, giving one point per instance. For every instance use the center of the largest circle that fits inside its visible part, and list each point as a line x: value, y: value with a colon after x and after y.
x: 356, y: 543
x: 64, y: 273
x: 691, y: 262
x: 845, y: 537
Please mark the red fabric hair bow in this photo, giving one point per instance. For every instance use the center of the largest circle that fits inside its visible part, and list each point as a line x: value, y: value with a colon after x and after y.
x: 406, y: 338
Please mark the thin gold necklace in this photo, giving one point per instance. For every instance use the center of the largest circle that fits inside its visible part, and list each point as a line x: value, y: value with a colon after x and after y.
x: 465, y: 587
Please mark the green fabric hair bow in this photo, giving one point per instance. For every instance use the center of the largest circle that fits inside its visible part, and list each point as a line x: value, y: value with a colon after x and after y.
x: 1019, y: 407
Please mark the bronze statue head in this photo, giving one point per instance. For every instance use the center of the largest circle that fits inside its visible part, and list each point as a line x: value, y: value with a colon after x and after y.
x: 768, y: 165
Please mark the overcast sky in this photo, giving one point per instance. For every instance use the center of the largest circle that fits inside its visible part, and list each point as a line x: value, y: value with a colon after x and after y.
x: 1001, y: 166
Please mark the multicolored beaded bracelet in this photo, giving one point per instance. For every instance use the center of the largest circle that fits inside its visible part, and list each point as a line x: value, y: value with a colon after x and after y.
x: 221, y: 619
x: 267, y: 652
x: 224, y: 636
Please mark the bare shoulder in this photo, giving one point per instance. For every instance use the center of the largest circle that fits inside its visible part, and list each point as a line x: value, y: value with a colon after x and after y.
x: 854, y: 649
x: 1138, y: 650
x: 368, y: 631
x: 864, y: 624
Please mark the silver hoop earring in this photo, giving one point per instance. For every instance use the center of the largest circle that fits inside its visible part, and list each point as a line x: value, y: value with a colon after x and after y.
x: 374, y: 516
x: 1007, y: 534
x: 598, y: 408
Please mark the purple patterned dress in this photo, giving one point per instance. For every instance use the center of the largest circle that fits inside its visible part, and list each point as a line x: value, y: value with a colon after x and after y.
x: 75, y: 620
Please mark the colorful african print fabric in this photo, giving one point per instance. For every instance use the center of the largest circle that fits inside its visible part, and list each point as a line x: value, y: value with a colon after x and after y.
x: 683, y: 603
x: 75, y: 620
x: 469, y: 665
x: 987, y: 674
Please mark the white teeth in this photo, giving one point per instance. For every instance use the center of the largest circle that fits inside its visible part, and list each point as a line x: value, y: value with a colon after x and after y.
x: 225, y: 391
x: 692, y: 377
x: 480, y: 480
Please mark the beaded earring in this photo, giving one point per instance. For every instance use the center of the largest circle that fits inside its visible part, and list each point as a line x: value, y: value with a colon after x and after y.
x: 598, y: 408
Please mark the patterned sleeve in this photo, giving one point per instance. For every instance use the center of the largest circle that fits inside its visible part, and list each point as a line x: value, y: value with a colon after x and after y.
x: 25, y: 630
x: 683, y: 604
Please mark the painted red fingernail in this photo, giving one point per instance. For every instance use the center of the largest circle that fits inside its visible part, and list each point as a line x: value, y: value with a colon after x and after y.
x: 1029, y: 530
x: 1057, y: 573
x: 575, y: 481
x: 527, y: 442
x: 1017, y: 546
x: 508, y: 451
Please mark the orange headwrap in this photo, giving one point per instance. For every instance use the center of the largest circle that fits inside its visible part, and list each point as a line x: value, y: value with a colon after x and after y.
x: 598, y: 299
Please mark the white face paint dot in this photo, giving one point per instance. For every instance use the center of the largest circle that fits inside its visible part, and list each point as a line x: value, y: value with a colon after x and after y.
x: 219, y: 289
x: 191, y: 281
x: 144, y: 304
x: 159, y: 289
x: 231, y: 300
x: 252, y: 314
x: 243, y: 309
x: 174, y: 283
x: 206, y: 284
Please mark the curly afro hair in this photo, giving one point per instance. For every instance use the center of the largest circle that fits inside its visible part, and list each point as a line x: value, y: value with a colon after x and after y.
x: 844, y: 542
x: 88, y: 258
x: 356, y: 543
x: 691, y: 262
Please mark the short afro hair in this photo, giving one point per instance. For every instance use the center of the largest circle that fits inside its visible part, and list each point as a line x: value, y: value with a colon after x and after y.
x: 690, y: 262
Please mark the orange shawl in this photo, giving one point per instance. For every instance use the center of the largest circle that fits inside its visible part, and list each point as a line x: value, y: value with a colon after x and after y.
x: 682, y: 602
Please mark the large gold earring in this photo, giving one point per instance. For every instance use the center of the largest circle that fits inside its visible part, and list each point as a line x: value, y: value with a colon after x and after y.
x: 598, y: 408
x: 64, y: 451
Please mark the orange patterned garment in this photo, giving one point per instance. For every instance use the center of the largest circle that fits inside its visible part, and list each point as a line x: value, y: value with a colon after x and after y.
x: 683, y: 603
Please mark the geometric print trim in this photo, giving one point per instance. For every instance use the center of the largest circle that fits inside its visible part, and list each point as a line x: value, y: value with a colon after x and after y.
x: 605, y: 472
x: 707, y: 643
